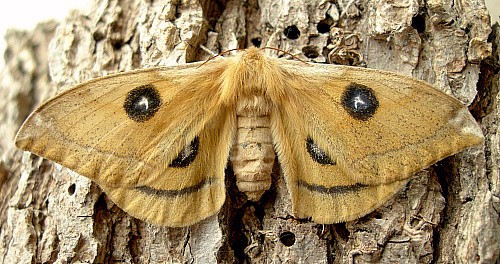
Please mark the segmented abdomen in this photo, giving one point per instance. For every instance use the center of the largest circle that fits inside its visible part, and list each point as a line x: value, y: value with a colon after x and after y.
x: 252, y: 154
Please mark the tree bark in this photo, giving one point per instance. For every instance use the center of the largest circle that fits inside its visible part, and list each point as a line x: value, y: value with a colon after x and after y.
x: 448, y: 213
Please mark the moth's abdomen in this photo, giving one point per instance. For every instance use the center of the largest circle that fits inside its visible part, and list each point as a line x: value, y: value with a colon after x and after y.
x: 252, y: 154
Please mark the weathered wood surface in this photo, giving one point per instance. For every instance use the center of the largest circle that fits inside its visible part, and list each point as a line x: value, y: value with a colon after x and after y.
x: 447, y: 214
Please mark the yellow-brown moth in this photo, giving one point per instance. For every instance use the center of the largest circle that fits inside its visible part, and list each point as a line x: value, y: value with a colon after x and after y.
x: 157, y: 140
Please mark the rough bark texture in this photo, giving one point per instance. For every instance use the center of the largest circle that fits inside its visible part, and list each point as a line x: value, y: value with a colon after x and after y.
x: 447, y: 214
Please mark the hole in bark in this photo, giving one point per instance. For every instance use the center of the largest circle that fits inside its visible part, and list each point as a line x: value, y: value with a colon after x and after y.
x: 324, y: 25
x: 72, y: 189
x: 287, y: 238
x: 376, y: 215
x: 256, y: 42
x: 310, y: 51
x: 292, y: 32
x: 418, y: 23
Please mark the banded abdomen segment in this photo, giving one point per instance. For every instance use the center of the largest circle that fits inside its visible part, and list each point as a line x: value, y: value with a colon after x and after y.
x: 252, y: 154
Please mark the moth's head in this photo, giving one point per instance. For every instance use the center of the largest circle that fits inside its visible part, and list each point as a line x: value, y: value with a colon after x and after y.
x: 252, y: 55
x: 250, y: 72
x: 251, y: 67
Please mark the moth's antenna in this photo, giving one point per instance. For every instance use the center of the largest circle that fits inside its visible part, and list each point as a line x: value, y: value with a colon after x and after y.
x: 286, y: 52
x: 213, y: 54
x: 228, y: 51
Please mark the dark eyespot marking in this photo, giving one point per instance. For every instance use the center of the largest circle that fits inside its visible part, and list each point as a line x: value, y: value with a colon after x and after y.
x: 359, y: 101
x: 317, y: 154
x: 335, y: 190
x: 142, y: 103
x: 187, y: 154
x: 173, y: 193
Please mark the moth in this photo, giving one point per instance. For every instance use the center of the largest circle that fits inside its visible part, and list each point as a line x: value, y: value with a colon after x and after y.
x: 157, y: 140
